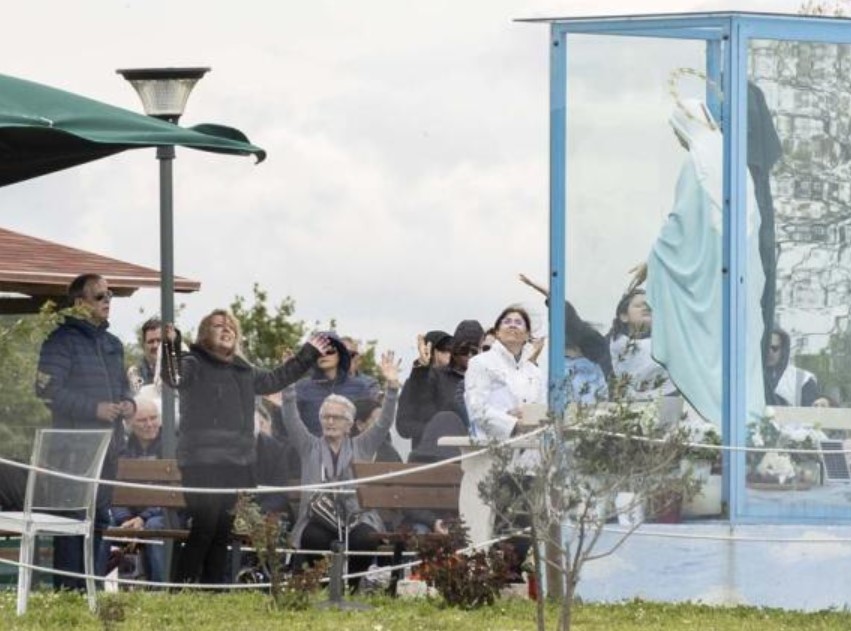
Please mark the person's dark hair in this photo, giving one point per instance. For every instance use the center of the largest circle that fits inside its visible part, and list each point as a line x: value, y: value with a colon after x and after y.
x: 831, y: 402
x: 149, y: 325
x: 519, y: 311
x: 619, y: 327
x: 364, y: 408
x: 77, y: 288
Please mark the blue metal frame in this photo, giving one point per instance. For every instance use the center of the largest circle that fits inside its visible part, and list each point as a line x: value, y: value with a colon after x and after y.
x: 727, y: 36
x: 734, y: 260
x: 558, y: 218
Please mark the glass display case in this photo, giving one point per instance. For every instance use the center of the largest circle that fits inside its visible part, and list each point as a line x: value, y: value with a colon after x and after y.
x: 711, y: 151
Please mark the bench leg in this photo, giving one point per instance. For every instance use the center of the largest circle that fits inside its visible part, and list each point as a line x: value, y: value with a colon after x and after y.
x: 396, y: 575
x: 235, y: 559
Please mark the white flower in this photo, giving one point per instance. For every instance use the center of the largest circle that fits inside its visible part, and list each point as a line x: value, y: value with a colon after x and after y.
x: 774, y: 464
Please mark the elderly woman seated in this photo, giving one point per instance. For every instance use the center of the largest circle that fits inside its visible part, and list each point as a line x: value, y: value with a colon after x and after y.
x: 328, y: 458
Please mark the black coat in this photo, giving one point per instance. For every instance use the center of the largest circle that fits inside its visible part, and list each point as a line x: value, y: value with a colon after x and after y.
x: 217, y: 403
x: 272, y: 469
x: 426, y: 392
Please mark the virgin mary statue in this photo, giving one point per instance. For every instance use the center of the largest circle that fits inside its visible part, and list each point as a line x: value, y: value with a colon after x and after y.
x: 684, y: 274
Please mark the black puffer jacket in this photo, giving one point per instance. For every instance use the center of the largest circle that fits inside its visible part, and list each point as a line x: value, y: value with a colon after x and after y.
x: 217, y: 404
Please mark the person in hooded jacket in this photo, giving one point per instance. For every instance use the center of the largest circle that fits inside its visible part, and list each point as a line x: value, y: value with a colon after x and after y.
x: 330, y: 375
x: 788, y: 384
x: 431, y: 389
x: 216, y: 446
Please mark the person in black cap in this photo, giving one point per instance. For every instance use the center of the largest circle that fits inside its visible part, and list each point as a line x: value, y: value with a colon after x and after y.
x: 435, y: 349
x: 432, y: 389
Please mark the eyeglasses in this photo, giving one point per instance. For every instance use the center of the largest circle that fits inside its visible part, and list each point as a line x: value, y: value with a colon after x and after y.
x: 146, y: 419
x: 518, y: 322
x: 469, y: 351
x: 336, y: 418
x: 330, y: 351
x: 104, y: 295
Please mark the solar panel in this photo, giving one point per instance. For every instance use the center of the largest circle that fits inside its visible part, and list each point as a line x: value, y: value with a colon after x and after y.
x: 835, y: 462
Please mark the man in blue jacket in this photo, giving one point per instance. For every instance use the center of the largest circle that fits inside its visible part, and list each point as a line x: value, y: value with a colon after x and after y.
x: 81, y: 379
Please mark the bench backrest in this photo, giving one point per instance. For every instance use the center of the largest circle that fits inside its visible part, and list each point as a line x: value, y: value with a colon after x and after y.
x: 435, y: 489
x: 162, y: 472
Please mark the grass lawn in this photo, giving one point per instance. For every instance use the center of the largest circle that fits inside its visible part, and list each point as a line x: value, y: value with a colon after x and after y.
x: 250, y: 612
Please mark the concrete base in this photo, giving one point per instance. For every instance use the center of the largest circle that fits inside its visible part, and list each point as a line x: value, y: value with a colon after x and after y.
x: 791, y: 567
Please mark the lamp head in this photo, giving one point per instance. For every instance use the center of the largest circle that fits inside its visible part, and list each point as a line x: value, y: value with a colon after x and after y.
x: 164, y: 91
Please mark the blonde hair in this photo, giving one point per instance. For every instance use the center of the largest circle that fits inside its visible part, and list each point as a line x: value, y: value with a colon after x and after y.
x: 205, y: 331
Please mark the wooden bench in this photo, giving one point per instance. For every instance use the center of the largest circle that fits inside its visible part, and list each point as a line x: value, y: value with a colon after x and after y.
x: 434, y: 489
x: 162, y: 472
x: 156, y: 472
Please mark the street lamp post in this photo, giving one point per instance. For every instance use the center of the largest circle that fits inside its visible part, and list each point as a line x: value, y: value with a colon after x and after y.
x: 164, y: 92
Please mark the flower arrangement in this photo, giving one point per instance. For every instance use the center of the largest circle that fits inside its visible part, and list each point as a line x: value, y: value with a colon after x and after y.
x: 782, y: 466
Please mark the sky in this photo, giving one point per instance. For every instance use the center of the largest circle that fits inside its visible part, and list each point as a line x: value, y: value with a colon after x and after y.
x: 407, y: 178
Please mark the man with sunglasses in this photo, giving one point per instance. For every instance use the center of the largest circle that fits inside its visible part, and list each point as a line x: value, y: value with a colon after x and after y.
x: 82, y: 381
x: 786, y: 383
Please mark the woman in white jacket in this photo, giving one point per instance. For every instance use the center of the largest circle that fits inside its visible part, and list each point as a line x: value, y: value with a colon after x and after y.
x: 497, y: 386
x: 499, y: 382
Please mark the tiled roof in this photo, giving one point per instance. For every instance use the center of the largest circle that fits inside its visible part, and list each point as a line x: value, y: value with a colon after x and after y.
x: 36, y: 267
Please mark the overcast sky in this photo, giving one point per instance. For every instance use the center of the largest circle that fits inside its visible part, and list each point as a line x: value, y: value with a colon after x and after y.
x: 406, y: 183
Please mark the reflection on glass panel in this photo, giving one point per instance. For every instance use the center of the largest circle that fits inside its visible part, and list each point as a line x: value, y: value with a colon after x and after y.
x: 807, y: 359
x: 644, y: 188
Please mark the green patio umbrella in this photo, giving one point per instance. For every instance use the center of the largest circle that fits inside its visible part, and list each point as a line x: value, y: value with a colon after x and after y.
x: 43, y: 129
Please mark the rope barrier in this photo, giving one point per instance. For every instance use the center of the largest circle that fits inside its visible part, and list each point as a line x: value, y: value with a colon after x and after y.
x: 640, y: 532
x: 706, y: 537
x: 335, y: 486
x: 218, y: 586
x: 320, y: 486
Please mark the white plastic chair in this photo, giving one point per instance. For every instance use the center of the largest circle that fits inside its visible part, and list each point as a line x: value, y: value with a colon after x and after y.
x: 77, y: 452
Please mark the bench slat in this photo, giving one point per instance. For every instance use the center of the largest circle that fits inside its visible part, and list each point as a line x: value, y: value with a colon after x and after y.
x: 449, y: 474
x: 123, y: 496
x: 133, y: 533
x: 141, y: 470
x: 438, y: 498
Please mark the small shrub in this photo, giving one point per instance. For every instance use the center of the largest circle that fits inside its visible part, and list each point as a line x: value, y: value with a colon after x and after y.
x: 464, y: 579
x: 298, y: 590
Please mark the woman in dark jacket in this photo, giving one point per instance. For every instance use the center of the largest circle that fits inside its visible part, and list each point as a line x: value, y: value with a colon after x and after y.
x: 215, y: 448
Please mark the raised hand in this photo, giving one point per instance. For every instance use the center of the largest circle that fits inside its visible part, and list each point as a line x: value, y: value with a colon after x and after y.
x: 537, y: 347
x: 390, y: 368
x: 170, y: 332
x: 424, y: 351
x: 639, y: 275
x: 528, y: 281
x: 320, y: 342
